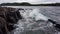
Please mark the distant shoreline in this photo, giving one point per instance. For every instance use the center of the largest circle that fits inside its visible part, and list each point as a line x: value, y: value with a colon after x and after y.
x: 28, y: 4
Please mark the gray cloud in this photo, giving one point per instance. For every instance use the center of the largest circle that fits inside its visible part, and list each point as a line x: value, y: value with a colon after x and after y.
x: 30, y: 1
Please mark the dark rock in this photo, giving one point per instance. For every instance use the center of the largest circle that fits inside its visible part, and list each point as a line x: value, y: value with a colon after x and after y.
x: 8, y: 15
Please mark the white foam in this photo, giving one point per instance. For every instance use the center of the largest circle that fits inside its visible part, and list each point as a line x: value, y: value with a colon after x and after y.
x: 38, y: 16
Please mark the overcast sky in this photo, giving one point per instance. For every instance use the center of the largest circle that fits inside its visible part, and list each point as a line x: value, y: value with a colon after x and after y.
x: 30, y: 1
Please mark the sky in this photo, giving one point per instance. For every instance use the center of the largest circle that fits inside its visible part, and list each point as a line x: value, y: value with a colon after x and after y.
x: 30, y: 1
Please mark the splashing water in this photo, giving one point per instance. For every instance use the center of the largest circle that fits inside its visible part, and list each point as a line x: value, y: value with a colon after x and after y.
x: 29, y: 24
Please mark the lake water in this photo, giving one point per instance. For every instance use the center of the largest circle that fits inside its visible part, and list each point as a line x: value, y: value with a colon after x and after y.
x: 52, y: 12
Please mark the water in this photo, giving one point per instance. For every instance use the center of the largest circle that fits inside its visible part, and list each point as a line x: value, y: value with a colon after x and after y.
x: 30, y: 26
x: 51, y: 11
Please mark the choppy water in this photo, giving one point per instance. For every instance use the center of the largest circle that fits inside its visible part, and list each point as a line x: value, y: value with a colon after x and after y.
x: 30, y: 26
